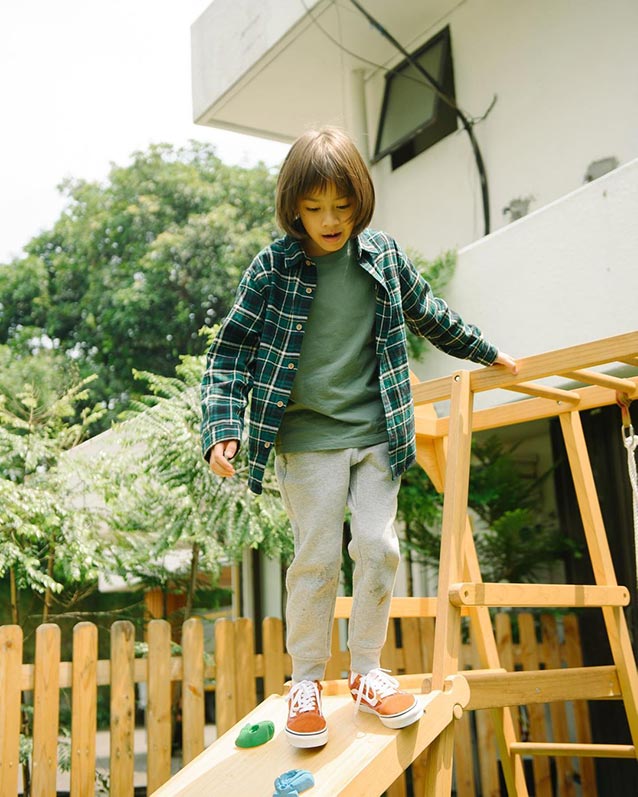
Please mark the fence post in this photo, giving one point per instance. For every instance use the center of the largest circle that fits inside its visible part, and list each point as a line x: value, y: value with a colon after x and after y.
x: 246, y: 687
x: 158, y: 711
x: 274, y: 661
x: 122, y: 760
x: 225, y: 668
x: 10, y: 698
x: 84, y: 709
x: 192, y: 689
x: 46, y: 710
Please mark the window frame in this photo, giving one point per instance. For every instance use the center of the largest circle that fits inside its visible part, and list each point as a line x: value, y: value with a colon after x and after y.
x: 444, y: 119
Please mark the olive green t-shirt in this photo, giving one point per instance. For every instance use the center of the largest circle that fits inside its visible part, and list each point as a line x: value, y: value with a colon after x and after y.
x: 336, y: 400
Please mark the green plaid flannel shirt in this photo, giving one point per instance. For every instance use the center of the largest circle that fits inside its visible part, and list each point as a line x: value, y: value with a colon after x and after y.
x: 258, y: 345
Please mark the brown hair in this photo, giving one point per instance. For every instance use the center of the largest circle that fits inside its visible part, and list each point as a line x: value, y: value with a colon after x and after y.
x: 315, y: 160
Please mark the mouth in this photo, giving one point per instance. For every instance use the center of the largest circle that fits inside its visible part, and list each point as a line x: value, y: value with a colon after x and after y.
x: 331, y: 237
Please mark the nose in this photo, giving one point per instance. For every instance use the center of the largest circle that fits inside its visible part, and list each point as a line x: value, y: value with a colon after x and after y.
x: 329, y: 218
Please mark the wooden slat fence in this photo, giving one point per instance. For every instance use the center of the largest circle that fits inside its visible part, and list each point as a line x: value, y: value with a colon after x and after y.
x: 241, y: 677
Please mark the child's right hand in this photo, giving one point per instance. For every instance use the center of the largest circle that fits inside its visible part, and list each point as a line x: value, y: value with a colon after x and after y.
x: 220, y: 457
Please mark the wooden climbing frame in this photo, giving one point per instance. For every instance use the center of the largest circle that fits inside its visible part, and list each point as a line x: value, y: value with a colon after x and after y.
x: 444, y: 451
x: 362, y: 758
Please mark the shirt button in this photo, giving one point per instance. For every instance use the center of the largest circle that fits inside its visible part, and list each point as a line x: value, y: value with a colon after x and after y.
x: 299, y: 326
x: 280, y: 404
x: 291, y: 365
x: 308, y: 262
x: 266, y: 445
x: 308, y: 290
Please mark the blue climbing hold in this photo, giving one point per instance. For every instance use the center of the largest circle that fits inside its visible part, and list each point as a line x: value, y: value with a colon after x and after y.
x: 292, y: 782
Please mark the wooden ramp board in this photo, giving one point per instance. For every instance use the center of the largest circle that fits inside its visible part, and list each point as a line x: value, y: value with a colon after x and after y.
x: 361, y: 759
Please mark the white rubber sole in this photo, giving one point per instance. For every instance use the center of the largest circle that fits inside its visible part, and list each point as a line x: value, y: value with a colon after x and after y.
x: 306, y: 740
x: 396, y: 721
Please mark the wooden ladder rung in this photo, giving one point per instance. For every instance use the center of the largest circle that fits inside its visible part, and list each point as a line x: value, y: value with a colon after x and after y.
x: 575, y: 750
x: 541, y: 391
x: 537, y: 595
x: 499, y: 688
x: 603, y: 380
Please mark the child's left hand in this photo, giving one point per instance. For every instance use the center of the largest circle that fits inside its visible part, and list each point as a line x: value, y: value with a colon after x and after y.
x: 507, y: 361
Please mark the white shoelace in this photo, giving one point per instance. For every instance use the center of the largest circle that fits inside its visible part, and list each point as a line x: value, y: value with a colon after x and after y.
x: 303, y: 696
x: 376, y: 685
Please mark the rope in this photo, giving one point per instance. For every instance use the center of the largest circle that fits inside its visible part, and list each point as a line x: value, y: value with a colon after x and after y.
x: 630, y: 441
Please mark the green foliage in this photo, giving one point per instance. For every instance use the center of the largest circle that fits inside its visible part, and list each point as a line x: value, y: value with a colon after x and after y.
x: 47, y: 543
x: 162, y: 496
x: 438, y: 273
x: 134, y: 267
x: 514, y: 538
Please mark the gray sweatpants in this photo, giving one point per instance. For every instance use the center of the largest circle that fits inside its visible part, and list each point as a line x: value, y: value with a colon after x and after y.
x: 316, y: 487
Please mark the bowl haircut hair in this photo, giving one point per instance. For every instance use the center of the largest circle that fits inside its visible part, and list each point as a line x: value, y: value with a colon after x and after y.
x: 317, y: 159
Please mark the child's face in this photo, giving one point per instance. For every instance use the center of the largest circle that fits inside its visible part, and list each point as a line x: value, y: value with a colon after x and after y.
x: 328, y: 219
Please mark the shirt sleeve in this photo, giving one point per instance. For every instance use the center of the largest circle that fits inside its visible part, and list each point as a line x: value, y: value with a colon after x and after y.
x: 430, y: 317
x: 229, y: 373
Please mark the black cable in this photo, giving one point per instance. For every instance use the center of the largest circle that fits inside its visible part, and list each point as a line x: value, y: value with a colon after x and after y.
x: 467, y: 124
x: 399, y: 75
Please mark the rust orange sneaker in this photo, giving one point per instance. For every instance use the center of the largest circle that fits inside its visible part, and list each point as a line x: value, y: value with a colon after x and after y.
x: 306, y: 726
x: 378, y: 693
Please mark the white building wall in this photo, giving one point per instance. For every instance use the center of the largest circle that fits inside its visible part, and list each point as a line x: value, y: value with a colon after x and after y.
x: 566, y: 79
x: 566, y: 274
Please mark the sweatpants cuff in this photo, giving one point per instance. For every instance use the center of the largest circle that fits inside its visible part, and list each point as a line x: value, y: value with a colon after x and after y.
x: 307, y: 670
x: 362, y: 661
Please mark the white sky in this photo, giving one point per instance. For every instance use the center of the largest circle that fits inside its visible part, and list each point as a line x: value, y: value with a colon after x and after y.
x: 83, y: 84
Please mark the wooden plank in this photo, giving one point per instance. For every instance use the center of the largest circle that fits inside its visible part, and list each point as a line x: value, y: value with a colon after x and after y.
x: 362, y: 757
x: 426, y: 625
x: 412, y: 648
x: 83, y: 709
x: 399, y: 607
x: 584, y: 750
x: 390, y: 659
x: 104, y: 673
x: 486, y: 741
x: 122, y: 753
x: 193, y: 709
x: 537, y: 595
x: 536, y: 712
x: 10, y: 699
x: 46, y: 708
x: 504, y: 719
x: 565, y: 771
x: 505, y: 646
x: 398, y: 788
x: 274, y: 662
x: 225, y: 687
x: 246, y: 686
x: 463, y: 757
x: 539, y: 366
x: 333, y: 667
x: 574, y: 658
x: 602, y: 564
x: 158, y: 711
x: 448, y: 618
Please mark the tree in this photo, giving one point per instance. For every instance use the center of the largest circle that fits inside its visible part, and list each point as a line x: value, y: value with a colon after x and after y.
x: 134, y: 267
x: 162, y: 496
x: 47, y: 544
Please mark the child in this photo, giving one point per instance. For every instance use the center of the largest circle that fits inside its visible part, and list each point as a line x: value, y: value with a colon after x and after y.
x: 317, y: 333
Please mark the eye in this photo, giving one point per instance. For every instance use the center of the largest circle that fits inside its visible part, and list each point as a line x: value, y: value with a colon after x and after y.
x: 311, y: 210
x: 344, y: 207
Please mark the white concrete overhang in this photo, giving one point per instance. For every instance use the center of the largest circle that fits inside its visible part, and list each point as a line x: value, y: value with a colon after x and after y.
x: 272, y: 68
